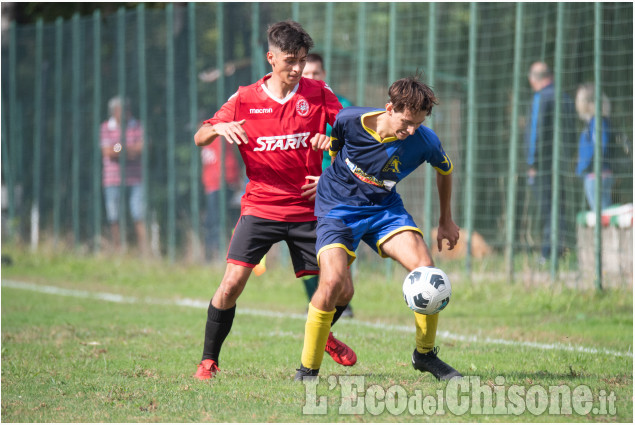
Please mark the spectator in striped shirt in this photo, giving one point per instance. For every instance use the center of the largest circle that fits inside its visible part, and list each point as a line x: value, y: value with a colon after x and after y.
x: 125, y: 149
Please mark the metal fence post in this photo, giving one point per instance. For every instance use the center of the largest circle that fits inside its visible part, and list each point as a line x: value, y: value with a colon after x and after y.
x: 597, y: 154
x: 57, y: 129
x: 7, y: 172
x: 123, y: 123
x: 220, y: 100
x: 143, y: 118
x: 555, y: 169
x: 328, y: 40
x: 170, y: 131
x: 431, y: 65
x: 361, y: 53
x: 14, y: 144
x: 37, y: 136
x: 195, y: 151
x: 512, y: 180
x: 295, y: 11
x: 471, y: 136
x: 255, y: 49
x: 392, y: 43
x: 97, y: 131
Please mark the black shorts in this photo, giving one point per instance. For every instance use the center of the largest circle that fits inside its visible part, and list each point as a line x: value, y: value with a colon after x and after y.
x: 254, y: 236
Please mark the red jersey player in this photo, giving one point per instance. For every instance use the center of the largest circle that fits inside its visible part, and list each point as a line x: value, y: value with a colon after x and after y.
x: 278, y: 124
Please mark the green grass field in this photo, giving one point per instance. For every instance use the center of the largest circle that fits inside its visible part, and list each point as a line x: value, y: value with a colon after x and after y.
x: 78, y: 357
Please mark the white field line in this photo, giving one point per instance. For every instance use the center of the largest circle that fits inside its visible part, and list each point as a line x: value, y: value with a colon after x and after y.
x: 188, y: 302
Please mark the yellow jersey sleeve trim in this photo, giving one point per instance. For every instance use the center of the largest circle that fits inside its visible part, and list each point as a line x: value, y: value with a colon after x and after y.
x: 393, y: 233
x: 351, y: 254
x: 449, y: 171
x: 332, y: 151
x: 444, y: 172
x: 373, y: 132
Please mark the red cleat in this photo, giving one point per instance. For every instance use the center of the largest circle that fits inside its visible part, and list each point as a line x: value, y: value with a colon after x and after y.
x: 340, y: 352
x: 206, y: 369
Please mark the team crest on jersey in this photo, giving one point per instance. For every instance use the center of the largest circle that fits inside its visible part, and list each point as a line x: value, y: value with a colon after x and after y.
x: 302, y: 107
x: 392, y: 166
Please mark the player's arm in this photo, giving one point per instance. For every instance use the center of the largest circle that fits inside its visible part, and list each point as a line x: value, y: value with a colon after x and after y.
x: 331, y: 103
x: 222, y: 124
x: 233, y: 131
x: 320, y: 142
x: 444, y: 167
x: 337, y: 138
x: 331, y: 108
x: 447, y: 228
x: 310, y: 189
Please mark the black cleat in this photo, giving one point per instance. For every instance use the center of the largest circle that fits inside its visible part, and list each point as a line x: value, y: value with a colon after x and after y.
x: 429, y: 362
x: 305, y: 373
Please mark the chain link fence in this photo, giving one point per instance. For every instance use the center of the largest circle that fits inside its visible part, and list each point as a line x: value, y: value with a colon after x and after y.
x: 179, y: 64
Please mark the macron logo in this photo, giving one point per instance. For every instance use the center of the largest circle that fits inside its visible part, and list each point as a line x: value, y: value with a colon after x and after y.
x: 283, y: 143
x: 260, y: 110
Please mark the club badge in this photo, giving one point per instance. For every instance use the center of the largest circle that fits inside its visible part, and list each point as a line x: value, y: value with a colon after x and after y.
x: 302, y: 108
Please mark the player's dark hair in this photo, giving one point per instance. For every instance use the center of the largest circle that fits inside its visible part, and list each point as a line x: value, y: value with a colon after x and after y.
x: 411, y: 94
x: 314, y: 57
x: 289, y: 37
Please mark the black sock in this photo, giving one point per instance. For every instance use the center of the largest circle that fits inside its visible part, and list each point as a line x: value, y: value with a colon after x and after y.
x: 338, y: 312
x: 219, y: 323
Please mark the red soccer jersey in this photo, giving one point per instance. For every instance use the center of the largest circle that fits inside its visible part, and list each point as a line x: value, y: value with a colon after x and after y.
x: 279, y: 154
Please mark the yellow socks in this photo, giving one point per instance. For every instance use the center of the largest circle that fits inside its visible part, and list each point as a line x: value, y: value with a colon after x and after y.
x: 316, y: 332
x: 426, y: 331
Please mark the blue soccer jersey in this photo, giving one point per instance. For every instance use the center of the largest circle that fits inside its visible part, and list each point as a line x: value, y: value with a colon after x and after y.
x: 367, y: 169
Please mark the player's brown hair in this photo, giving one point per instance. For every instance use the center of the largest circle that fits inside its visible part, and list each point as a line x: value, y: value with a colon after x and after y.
x: 289, y: 37
x: 412, y: 94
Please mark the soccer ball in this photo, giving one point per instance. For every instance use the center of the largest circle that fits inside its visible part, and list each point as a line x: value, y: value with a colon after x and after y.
x: 427, y: 290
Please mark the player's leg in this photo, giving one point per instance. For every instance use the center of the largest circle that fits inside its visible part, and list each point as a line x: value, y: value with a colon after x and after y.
x: 301, y: 243
x: 310, y: 286
x: 251, y: 240
x: 409, y: 249
x: 335, y: 288
x: 220, y: 318
x: 338, y: 350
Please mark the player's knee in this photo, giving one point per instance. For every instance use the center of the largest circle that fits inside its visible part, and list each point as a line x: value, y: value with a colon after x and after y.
x: 331, y: 287
x: 231, y: 288
x: 346, y: 295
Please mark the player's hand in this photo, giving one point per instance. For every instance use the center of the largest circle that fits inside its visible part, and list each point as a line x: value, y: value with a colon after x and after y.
x: 310, y: 189
x: 320, y: 142
x: 232, y: 131
x: 447, y: 230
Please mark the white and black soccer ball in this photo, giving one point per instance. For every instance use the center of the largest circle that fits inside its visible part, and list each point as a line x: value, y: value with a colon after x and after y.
x: 427, y: 290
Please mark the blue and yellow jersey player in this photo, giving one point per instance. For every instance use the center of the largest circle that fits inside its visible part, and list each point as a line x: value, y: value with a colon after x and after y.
x: 314, y: 69
x: 357, y: 201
